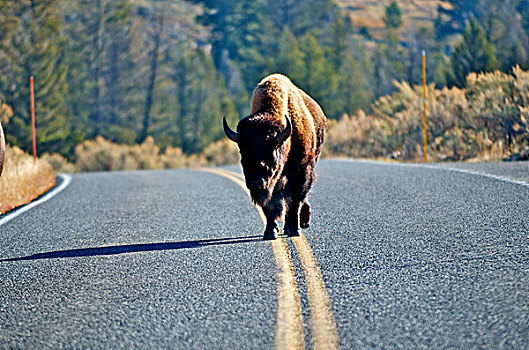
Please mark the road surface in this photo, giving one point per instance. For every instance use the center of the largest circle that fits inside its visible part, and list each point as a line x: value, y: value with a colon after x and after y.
x: 403, y: 257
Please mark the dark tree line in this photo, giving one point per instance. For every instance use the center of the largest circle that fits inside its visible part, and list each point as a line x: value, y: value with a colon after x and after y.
x: 129, y: 69
x: 118, y: 68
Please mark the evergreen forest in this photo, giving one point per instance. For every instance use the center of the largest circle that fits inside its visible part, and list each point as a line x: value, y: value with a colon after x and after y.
x: 128, y: 71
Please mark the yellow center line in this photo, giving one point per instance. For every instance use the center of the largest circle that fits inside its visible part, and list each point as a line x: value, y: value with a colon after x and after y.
x: 289, y: 329
x: 239, y: 175
x: 324, y: 334
x: 322, y: 320
x: 323, y: 325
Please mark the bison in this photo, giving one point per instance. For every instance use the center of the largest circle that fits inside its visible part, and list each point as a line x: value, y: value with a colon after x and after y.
x: 280, y: 143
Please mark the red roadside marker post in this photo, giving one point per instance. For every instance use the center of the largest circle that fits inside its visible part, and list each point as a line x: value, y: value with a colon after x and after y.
x: 424, y: 106
x: 2, y: 148
x: 32, y: 92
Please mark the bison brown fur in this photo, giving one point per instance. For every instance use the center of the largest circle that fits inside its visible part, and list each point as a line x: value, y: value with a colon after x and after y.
x: 280, y: 143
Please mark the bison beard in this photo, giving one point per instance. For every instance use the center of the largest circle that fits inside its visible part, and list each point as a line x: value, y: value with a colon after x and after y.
x: 280, y: 143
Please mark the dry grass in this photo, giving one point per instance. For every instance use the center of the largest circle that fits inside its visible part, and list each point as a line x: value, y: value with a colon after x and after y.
x: 102, y: 155
x: 223, y: 152
x: 486, y: 121
x: 23, y: 180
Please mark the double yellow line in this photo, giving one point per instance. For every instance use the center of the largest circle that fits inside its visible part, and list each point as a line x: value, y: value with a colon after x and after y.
x: 289, y: 329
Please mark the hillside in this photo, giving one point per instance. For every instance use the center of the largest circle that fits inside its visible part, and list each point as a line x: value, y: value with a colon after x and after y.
x: 368, y: 13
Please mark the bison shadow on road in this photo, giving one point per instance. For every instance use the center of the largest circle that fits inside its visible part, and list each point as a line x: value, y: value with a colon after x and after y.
x: 134, y: 248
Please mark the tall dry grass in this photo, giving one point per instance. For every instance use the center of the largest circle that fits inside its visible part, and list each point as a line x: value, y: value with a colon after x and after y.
x: 223, y: 152
x: 23, y: 180
x: 102, y: 155
x: 488, y: 120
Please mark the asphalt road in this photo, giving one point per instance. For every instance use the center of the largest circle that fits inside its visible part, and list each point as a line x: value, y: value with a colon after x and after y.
x: 411, y: 257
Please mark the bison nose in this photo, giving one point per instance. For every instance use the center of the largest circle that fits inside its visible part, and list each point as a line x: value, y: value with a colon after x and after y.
x: 258, y: 184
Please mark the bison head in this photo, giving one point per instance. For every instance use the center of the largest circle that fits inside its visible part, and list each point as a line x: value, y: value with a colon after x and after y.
x: 261, y: 140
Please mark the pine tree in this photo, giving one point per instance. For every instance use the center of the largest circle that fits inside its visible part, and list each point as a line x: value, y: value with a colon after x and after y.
x: 503, y: 28
x: 118, y: 73
x: 234, y: 25
x: 393, y: 16
x: 33, y: 45
x: 201, y: 101
x: 248, y: 32
x: 453, y: 18
x: 389, y: 57
x: 98, y: 56
x: 473, y: 54
x: 338, y: 42
x: 522, y: 6
x: 320, y: 80
x: 236, y: 46
x: 299, y: 17
x: 351, y: 93
x: 158, y: 18
x: 289, y: 58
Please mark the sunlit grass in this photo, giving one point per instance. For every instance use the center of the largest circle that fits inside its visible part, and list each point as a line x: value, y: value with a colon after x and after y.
x: 102, y: 155
x: 488, y: 120
x: 22, y: 179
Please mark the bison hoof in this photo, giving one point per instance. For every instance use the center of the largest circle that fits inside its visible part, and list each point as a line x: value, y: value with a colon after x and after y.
x: 293, y: 232
x: 269, y: 237
x: 271, y: 234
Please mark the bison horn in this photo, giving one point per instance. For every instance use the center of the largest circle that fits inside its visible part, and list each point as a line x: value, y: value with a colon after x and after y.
x: 282, y: 136
x: 232, y: 135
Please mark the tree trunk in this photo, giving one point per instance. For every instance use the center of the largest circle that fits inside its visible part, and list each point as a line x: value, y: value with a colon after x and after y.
x: 113, y: 84
x: 181, y: 91
x: 95, y: 108
x: 152, y: 78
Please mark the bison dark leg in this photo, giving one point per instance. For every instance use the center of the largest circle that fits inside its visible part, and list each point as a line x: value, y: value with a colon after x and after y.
x: 292, y: 219
x: 273, y: 212
x: 304, y: 214
x: 298, y: 207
